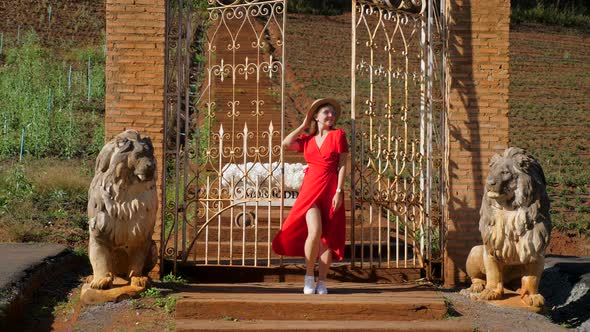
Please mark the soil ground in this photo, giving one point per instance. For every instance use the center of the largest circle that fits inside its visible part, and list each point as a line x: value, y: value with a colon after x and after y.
x: 568, y: 243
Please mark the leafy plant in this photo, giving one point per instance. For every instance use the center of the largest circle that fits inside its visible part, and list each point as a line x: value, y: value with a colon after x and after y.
x: 151, y: 293
x: 552, y: 14
x: 171, y: 278
x: 315, y: 7
x: 168, y: 303
x: 229, y: 318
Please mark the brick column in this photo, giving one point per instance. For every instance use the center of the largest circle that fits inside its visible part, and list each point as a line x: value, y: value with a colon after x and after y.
x: 135, y: 75
x: 478, y: 117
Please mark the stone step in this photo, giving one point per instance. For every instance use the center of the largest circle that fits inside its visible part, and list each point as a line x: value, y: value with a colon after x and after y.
x: 285, y: 302
x: 227, y: 324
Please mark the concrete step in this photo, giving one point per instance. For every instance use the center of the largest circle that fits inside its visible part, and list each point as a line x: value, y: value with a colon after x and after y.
x: 227, y: 324
x: 285, y: 301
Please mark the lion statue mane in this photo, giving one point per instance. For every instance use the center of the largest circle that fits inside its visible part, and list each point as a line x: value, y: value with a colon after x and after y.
x: 515, y: 227
x: 122, y: 205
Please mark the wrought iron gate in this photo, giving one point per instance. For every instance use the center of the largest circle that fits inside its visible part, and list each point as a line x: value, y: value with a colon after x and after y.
x: 226, y: 112
x: 397, y: 114
x: 226, y: 182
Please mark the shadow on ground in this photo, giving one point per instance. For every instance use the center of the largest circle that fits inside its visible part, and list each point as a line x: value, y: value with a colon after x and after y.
x: 565, y: 285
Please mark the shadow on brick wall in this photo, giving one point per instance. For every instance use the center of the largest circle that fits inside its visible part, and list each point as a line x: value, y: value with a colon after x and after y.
x: 462, y: 231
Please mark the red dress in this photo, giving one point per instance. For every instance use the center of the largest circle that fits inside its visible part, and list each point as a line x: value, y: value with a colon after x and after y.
x: 319, y: 187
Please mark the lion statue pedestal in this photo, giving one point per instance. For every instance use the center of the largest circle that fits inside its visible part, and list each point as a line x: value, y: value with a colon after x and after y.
x: 122, y: 205
x: 515, y: 228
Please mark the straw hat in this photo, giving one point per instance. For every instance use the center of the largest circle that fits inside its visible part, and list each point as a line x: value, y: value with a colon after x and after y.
x: 323, y: 101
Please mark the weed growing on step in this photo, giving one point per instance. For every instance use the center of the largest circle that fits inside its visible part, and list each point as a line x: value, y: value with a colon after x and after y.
x: 151, y: 293
x: 451, y: 312
x: 66, y: 307
x: 172, y: 279
x: 167, y: 303
x: 229, y: 318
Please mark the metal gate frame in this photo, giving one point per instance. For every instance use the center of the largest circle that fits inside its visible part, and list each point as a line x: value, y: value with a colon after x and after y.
x: 197, y: 159
x: 379, y: 157
x: 180, y: 92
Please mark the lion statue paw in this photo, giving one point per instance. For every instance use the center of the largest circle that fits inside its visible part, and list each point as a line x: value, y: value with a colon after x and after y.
x: 489, y: 295
x: 533, y: 300
x: 139, y: 281
x: 102, y: 283
x: 477, y: 287
x: 473, y: 292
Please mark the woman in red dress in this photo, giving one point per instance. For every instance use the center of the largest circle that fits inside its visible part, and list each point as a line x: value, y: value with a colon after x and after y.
x: 316, y: 225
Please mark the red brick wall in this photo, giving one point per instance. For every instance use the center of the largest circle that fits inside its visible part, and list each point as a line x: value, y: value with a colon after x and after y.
x: 135, y: 74
x: 478, y: 117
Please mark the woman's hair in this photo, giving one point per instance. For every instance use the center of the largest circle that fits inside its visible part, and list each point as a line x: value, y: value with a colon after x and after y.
x: 313, y: 125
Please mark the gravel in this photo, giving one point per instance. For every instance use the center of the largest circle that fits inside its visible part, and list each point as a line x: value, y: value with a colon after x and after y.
x: 565, y: 284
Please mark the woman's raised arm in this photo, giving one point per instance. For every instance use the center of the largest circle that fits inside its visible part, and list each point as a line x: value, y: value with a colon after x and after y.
x: 289, y: 142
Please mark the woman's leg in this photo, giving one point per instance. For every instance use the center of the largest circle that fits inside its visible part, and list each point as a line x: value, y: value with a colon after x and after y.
x: 313, y: 219
x: 325, y: 261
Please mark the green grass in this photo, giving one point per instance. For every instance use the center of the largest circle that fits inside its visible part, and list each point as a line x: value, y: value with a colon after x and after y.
x: 172, y: 279
x: 152, y: 293
x: 39, y: 204
x: 167, y: 303
x: 37, y: 99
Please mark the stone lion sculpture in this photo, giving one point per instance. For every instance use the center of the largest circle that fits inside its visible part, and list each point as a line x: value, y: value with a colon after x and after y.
x: 515, y: 229
x: 122, y: 206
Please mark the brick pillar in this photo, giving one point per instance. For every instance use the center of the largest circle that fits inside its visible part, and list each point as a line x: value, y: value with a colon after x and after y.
x: 135, y: 75
x: 478, y: 117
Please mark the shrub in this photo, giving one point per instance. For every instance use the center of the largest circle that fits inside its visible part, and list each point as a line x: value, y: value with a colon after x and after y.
x: 170, y: 278
x: 318, y: 7
x: 553, y: 15
x: 152, y: 293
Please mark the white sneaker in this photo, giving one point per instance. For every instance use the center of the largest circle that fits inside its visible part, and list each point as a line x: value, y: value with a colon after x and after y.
x: 309, y: 285
x: 321, y: 287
